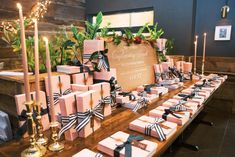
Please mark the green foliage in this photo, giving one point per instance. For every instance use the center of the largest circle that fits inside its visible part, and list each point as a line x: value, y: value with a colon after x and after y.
x: 155, y: 33
x: 169, y: 45
x: 141, y: 30
x: 128, y: 36
x: 104, y: 31
x: 93, y: 28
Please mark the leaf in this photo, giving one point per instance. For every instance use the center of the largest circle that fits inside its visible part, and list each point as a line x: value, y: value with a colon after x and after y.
x: 99, y: 18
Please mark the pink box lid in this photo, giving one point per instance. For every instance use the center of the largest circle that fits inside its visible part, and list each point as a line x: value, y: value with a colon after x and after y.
x: 87, y: 153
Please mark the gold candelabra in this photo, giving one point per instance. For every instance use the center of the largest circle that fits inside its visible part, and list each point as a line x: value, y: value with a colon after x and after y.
x: 33, y: 150
x: 41, y: 139
x: 55, y: 146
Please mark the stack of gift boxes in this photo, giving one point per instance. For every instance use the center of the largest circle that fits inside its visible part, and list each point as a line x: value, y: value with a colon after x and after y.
x: 82, y: 105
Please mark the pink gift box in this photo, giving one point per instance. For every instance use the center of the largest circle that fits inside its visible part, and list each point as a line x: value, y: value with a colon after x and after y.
x: 198, y: 99
x: 192, y: 107
x: 105, y: 75
x: 187, y: 66
x: 87, y: 153
x: 86, y: 101
x: 91, y: 46
x: 67, y: 69
x: 109, y: 144
x: 121, y: 99
x: 60, y: 84
x: 20, y: 106
x: 157, y: 68
x: 82, y: 79
x: 104, y: 91
x: 77, y: 87
x: 160, y: 110
x: 154, y: 90
x: 179, y: 65
x: 165, y: 66
x: 161, y: 43
x: 68, y: 106
x: 141, y: 123
x: 149, y: 97
x: 200, y: 93
x: 208, y: 89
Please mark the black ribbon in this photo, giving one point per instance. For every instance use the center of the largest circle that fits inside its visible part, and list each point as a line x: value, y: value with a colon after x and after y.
x: 187, y: 96
x: 129, y: 94
x: 23, y: 117
x: 127, y: 145
x: 148, y: 87
x: 169, y: 111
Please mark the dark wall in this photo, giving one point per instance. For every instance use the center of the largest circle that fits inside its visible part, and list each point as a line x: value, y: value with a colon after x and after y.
x: 174, y: 16
x: 181, y: 20
x: 207, y: 17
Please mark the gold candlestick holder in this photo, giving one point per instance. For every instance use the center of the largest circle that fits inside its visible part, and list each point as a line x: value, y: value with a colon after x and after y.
x: 203, y: 67
x: 41, y: 139
x: 55, y: 146
x: 33, y: 150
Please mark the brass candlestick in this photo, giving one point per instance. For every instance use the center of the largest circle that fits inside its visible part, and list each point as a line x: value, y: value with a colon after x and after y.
x: 34, y: 150
x: 203, y: 66
x: 41, y: 139
x: 55, y: 146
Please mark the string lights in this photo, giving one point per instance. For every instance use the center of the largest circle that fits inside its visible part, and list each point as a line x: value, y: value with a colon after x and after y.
x: 37, y: 12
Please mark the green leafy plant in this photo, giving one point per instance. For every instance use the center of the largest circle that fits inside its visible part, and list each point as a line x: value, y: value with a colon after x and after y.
x: 155, y: 33
x: 139, y: 35
x: 104, y: 31
x: 169, y: 46
x: 93, y: 28
x: 128, y: 36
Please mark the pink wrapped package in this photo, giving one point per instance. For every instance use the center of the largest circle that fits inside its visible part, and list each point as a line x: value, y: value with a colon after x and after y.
x: 179, y: 65
x: 143, y: 148
x: 192, y: 107
x: 87, y: 153
x: 60, y: 86
x: 137, y: 104
x: 145, y: 125
x: 165, y: 66
x: 177, y: 117
x: 104, y: 75
x: 91, y: 46
x: 161, y: 44
x: 21, y: 108
x: 88, y: 101
x: 197, y: 99
x: 104, y: 92
x: 68, y: 69
x: 187, y: 66
x: 208, y: 89
x: 205, y: 94
x: 77, y: 87
x: 68, y: 106
x: 157, y: 68
x: 122, y: 99
x: 82, y: 79
x: 153, y: 90
x: 150, y: 97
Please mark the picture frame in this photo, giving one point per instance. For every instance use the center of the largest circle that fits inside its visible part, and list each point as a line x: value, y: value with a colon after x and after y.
x: 223, y: 33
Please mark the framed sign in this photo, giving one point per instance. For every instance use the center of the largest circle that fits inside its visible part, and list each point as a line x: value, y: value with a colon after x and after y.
x: 223, y: 32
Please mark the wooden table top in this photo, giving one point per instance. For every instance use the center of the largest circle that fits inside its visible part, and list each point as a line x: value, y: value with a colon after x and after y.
x: 118, y: 121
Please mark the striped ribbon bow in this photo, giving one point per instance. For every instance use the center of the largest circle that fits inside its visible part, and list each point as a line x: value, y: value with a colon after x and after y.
x: 140, y: 103
x: 157, y: 127
x: 86, y: 116
x: 131, y: 96
x: 179, y: 107
x: 56, y: 96
x: 103, y: 62
x: 106, y: 100
x: 98, y: 155
x: 187, y: 96
x: 68, y: 122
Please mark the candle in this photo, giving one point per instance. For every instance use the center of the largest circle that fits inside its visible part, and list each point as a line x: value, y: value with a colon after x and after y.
x: 24, y: 54
x: 48, y: 65
x: 36, y: 56
x: 195, y: 55
x: 204, y: 52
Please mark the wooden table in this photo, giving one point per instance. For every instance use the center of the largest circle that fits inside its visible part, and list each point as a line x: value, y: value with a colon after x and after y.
x: 118, y: 121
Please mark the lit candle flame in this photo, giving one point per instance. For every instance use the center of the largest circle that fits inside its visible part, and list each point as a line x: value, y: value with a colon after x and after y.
x: 196, y: 36
x: 204, y: 34
x: 19, y: 5
x: 34, y: 20
x: 45, y: 39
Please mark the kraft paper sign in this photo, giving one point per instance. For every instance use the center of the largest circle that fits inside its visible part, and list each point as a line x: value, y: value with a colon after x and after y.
x: 134, y: 64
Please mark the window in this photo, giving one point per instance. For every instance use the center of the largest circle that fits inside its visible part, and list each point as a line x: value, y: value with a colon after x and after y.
x: 131, y: 19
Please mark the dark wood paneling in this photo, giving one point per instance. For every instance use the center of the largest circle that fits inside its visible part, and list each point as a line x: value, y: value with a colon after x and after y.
x: 61, y: 13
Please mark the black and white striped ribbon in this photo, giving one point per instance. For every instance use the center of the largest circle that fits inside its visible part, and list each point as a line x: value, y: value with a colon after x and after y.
x: 56, y: 96
x: 86, y: 56
x: 157, y: 127
x: 86, y: 116
x: 102, y: 63
x: 68, y: 122
x: 98, y: 155
x: 179, y: 107
x: 106, y: 100
x: 140, y: 103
